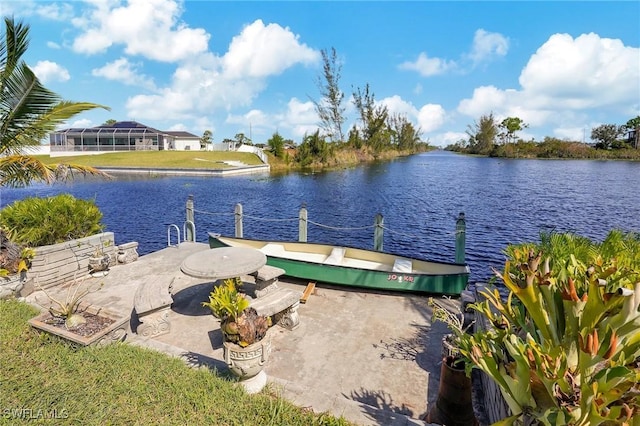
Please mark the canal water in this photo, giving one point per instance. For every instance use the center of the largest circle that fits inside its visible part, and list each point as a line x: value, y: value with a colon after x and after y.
x: 420, y: 197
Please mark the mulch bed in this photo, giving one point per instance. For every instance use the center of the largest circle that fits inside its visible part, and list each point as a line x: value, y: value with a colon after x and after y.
x: 94, y: 324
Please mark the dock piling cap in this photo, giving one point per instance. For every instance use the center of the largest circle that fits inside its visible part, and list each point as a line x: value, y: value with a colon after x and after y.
x: 224, y: 262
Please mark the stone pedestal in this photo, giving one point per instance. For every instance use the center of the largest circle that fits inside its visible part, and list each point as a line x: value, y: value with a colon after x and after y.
x: 128, y: 252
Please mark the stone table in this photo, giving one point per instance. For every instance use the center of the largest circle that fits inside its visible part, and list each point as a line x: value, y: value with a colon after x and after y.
x: 224, y: 262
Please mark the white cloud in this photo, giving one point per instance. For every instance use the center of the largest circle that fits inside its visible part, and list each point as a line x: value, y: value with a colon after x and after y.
x: 572, y: 133
x: 585, y: 72
x: 82, y: 123
x: 447, y: 138
x: 48, y: 10
x: 564, y: 78
x: 125, y: 72
x: 178, y: 127
x: 48, y: 71
x: 208, y: 82
x: 396, y: 105
x: 261, y: 51
x: 254, y: 118
x: 487, y: 46
x: 426, y: 66
x: 431, y: 117
x: 300, y: 118
x: 428, y: 118
x: 254, y: 122
x: 485, y: 99
x: 53, y: 45
x: 149, y: 28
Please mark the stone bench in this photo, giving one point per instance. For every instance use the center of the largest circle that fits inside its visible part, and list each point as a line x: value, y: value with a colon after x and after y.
x: 281, y: 304
x: 152, y: 303
x: 266, y: 279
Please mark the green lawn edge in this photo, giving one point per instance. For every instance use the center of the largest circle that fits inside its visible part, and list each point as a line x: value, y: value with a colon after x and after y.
x: 45, y: 379
x: 210, y: 160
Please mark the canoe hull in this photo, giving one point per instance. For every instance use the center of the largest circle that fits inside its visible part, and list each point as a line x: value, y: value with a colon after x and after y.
x: 450, y: 282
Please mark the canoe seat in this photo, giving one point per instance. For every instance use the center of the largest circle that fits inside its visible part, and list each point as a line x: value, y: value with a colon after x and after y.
x: 402, y: 265
x: 336, y: 256
x: 273, y: 249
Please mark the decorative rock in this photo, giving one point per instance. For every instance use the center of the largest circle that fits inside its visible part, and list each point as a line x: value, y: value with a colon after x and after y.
x: 11, y: 286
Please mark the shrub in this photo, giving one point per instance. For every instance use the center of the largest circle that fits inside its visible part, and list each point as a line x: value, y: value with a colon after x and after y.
x: 43, y: 221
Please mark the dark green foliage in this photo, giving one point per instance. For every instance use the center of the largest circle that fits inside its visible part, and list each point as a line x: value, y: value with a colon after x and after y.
x: 482, y: 135
x: 403, y: 134
x: 376, y: 132
x: 313, y: 148
x: 276, y: 143
x: 43, y: 221
x: 607, y: 136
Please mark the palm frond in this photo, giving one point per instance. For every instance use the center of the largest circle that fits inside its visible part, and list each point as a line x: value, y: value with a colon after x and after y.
x: 20, y: 170
x: 28, y: 112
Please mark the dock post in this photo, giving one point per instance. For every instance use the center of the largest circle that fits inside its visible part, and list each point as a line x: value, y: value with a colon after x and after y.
x: 188, y: 236
x: 238, y: 219
x: 378, y: 233
x: 461, y: 228
x: 302, y: 225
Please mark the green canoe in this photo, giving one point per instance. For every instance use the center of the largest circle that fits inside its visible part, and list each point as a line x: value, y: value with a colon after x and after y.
x: 339, y: 265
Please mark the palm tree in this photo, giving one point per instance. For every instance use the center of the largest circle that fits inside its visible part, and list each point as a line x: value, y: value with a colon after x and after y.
x: 28, y: 112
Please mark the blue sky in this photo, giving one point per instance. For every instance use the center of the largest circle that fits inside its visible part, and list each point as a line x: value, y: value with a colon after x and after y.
x: 563, y: 67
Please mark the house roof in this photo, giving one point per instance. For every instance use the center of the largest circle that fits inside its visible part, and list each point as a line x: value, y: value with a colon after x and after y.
x: 126, y: 125
x: 181, y: 134
x: 123, y: 126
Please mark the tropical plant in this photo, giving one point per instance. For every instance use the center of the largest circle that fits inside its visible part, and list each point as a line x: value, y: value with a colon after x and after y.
x: 564, y: 346
x: 239, y: 323
x: 36, y: 221
x: 68, y: 310
x: 14, y: 259
x: 28, y: 112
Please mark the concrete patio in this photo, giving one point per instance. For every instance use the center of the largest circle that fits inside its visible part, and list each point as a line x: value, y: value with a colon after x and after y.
x: 373, y: 358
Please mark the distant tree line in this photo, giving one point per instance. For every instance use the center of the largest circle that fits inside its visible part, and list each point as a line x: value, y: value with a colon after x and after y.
x: 487, y: 136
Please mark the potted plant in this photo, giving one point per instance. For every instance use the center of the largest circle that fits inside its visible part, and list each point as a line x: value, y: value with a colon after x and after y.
x: 78, y: 322
x: 453, y: 406
x: 564, y: 347
x: 100, y: 260
x: 245, y: 346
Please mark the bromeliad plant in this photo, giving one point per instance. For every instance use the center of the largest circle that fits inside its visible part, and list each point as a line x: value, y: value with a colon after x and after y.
x: 239, y: 323
x: 565, y: 344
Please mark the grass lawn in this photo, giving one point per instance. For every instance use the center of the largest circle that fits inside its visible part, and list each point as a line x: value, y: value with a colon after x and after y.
x: 158, y: 159
x: 42, y: 377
